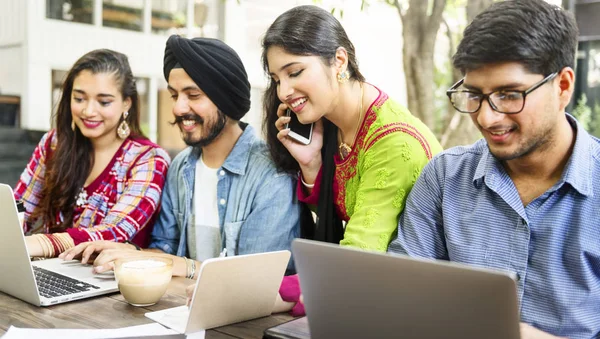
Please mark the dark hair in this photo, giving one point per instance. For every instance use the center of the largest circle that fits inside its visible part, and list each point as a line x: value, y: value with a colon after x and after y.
x: 302, y: 30
x: 308, y: 30
x: 541, y: 36
x: 68, y: 166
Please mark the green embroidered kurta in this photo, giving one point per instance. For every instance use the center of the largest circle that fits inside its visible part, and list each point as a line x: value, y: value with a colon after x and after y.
x: 371, y: 184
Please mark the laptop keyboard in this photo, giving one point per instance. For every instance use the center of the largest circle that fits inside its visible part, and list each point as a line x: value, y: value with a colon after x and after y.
x: 51, y: 284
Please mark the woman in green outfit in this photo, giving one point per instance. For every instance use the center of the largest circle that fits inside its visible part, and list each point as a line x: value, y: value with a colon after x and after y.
x: 366, y: 151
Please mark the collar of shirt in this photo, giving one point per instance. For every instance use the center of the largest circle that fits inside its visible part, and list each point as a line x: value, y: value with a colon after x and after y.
x: 577, y: 173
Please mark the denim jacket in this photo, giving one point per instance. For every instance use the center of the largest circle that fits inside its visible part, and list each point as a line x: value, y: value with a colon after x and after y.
x: 258, y: 208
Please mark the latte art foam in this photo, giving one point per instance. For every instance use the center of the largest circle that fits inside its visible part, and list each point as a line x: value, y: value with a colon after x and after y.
x: 145, y: 263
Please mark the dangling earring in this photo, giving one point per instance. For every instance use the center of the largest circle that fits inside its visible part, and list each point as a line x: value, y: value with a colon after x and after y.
x: 343, y: 77
x: 123, y: 131
x: 73, y: 125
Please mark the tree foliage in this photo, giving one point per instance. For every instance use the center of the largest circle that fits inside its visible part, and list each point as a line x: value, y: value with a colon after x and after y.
x: 421, y: 34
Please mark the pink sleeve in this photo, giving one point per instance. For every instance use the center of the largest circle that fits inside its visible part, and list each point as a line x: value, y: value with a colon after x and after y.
x: 313, y: 198
x: 290, y: 292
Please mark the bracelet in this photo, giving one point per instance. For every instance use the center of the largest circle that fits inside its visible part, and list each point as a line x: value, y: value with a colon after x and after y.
x: 303, y: 183
x: 190, y: 268
x: 187, y: 267
x: 45, y: 244
x: 134, y: 245
x: 193, y: 272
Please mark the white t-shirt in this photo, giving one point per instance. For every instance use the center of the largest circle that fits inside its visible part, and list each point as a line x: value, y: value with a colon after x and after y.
x: 205, y: 240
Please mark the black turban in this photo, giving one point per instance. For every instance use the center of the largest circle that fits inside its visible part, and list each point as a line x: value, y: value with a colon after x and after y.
x: 215, y: 68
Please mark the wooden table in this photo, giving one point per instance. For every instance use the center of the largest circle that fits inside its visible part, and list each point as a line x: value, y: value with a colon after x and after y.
x: 112, y: 311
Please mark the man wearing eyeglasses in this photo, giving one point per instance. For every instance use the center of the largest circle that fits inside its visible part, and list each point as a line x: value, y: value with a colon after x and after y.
x: 526, y: 197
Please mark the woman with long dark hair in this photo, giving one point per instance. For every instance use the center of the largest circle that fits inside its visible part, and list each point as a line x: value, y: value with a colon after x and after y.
x: 366, y: 151
x: 95, y: 176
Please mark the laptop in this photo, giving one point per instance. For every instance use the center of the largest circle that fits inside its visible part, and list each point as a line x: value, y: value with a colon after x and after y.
x: 41, y: 282
x: 229, y: 290
x: 356, y: 294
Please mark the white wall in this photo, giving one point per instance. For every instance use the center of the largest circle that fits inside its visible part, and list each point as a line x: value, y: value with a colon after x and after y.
x: 376, y: 34
x: 12, y: 22
x: 11, y: 70
x: 12, y: 35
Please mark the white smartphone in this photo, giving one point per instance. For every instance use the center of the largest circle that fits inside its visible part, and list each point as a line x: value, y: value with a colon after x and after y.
x: 298, y: 131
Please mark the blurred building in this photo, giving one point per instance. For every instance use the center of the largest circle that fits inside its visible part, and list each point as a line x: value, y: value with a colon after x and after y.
x: 41, y: 39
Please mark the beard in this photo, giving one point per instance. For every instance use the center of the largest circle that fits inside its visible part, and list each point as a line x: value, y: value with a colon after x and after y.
x: 213, y: 129
x: 539, y: 141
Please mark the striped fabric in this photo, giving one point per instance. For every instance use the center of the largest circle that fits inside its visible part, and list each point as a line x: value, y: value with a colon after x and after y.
x: 465, y: 208
x: 120, y: 202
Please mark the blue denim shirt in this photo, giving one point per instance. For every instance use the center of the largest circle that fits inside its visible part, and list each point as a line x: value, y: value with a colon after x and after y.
x: 258, y: 208
x: 465, y: 208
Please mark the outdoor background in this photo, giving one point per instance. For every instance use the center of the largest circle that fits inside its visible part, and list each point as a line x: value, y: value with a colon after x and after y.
x: 403, y: 47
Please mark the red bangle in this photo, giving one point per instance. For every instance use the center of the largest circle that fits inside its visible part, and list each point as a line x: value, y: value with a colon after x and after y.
x: 54, y: 243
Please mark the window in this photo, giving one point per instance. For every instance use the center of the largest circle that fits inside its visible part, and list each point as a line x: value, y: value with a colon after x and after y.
x: 168, y: 16
x: 70, y: 10
x: 124, y: 14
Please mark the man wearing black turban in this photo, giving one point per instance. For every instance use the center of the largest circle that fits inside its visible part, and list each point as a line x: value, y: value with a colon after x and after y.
x: 218, y: 74
x: 215, y: 68
x: 223, y: 194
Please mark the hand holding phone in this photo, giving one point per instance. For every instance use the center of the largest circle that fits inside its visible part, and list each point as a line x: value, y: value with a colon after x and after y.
x: 298, y: 131
x: 303, y: 142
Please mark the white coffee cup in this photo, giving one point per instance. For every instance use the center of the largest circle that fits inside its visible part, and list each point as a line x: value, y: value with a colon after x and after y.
x: 144, y: 280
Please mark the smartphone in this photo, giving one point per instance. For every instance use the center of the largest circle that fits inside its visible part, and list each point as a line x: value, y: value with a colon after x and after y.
x: 298, y: 131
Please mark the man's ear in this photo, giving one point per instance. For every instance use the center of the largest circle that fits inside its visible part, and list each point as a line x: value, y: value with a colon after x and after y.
x: 566, y: 86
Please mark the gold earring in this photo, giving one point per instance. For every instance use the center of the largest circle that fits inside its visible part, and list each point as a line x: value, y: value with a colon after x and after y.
x: 123, y: 130
x: 73, y: 125
x: 343, y: 77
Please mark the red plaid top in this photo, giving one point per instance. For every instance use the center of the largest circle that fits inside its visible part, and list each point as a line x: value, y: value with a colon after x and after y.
x: 120, y: 202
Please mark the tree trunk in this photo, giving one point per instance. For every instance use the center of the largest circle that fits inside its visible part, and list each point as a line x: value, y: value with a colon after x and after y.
x: 461, y: 130
x: 419, y: 30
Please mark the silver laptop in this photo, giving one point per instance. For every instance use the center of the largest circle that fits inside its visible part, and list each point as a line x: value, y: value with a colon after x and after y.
x: 355, y: 294
x: 229, y: 290
x: 41, y: 282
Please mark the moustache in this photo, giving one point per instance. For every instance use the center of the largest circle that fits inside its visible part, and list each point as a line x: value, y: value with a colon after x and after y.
x: 179, y: 119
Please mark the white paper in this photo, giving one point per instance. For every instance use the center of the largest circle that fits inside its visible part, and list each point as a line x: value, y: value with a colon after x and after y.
x: 196, y: 335
x: 150, y: 330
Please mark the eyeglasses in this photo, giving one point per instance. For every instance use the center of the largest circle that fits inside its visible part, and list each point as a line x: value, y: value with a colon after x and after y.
x: 502, y: 101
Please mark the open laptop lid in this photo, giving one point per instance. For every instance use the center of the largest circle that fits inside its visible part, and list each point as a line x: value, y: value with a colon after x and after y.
x: 234, y: 289
x: 355, y: 294
x: 17, y: 277
x: 229, y: 290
